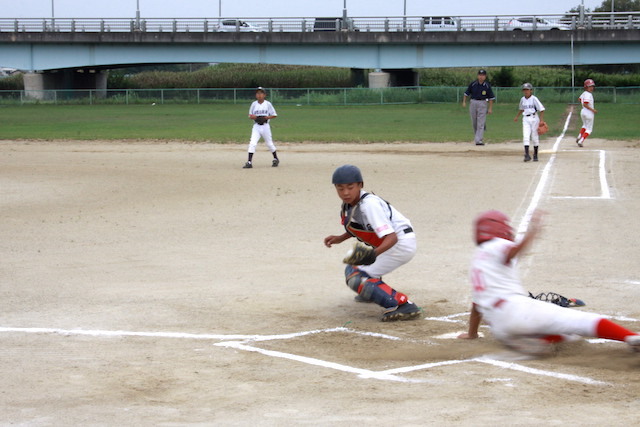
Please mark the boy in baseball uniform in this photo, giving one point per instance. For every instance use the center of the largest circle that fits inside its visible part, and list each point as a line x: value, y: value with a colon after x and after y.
x: 261, y: 111
x: 588, y: 111
x: 519, y: 322
x: 530, y: 107
x: 390, y: 242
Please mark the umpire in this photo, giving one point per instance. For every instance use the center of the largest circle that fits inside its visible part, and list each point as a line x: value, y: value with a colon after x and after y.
x: 481, y: 104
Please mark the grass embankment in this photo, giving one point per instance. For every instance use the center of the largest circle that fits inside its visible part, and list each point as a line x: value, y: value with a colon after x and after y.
x: 228, y: 123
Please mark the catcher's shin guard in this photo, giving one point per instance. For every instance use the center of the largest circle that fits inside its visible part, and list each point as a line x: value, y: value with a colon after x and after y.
x: 373, y: 289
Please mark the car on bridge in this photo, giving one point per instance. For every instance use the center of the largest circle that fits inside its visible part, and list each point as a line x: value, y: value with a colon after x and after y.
x: 530, y: 23
x: 334, y: 24
x: 236, y: 25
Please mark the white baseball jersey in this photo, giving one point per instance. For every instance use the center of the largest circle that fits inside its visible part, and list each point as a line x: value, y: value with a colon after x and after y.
x: 587, y: 99
x: 373, y: 218
x: 492, y: 279
x: 264, y: 109
x: 530, y: 106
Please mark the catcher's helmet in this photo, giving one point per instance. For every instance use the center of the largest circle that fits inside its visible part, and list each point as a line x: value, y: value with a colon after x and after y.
x: 492, y: 224
x: 589, y: 82
x: 527, y: 86
x: 346, y: 174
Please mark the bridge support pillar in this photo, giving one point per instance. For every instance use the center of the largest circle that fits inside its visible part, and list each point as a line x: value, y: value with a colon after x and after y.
x: 45, y: 85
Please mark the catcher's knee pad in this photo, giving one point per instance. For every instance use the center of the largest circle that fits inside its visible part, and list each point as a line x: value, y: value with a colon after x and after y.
x: 354, y: 277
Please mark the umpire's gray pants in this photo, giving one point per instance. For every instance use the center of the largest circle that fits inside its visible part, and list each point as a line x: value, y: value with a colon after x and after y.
x: 478, y: 111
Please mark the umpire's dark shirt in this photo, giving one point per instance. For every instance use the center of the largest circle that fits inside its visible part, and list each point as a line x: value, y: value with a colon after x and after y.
x: 480, y: 91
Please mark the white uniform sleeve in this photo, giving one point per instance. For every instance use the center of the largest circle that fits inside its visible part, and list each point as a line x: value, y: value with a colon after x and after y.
x: 538, y: 104
x: 378, y: 215
x: 272, y: 111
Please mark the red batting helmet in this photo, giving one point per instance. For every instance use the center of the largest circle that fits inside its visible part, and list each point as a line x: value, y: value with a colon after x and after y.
x: 589, y: 82
x: 492, y: 224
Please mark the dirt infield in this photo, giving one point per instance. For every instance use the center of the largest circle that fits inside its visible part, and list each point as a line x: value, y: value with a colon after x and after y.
x: 161, y: 284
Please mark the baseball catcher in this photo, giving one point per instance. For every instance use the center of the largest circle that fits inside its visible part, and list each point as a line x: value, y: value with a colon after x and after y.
x: 386, y: 242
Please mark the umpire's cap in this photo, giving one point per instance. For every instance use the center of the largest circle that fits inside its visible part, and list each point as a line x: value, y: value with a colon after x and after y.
x: 346, y: 174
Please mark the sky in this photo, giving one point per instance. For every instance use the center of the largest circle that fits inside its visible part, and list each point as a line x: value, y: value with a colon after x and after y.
x: 278, y: 8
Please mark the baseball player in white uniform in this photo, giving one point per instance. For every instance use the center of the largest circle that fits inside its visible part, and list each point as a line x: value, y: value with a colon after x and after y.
x: 532, y: 112
x: 391, y: 243
x: 261, y: 111
x: 522, y: 323
x: 588, y: 111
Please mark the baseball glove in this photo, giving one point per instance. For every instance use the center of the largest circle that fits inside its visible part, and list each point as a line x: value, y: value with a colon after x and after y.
x: 558, y: 299
x: 261, y: 120
x: 361, y: 254
x: 543, y: 128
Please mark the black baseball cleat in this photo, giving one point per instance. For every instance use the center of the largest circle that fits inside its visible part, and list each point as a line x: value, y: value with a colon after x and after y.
x: 480, y: 143
x: 275, y: 163
x: 406, y: 311
x: 247, y: 165
x: 527, y: 157
x: 535, y: 158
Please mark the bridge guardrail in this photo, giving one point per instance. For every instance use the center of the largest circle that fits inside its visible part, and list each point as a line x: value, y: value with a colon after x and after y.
x: 305, y: 96
x: 568, y: 21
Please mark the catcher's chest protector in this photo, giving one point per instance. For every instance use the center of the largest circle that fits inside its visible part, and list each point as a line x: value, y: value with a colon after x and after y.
x: 359, y: 231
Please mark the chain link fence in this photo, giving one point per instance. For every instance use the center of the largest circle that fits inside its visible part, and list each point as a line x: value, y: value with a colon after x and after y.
x: 309, y: 96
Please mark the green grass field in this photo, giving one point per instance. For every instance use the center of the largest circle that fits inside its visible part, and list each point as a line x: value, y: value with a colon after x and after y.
x: 228, y: 123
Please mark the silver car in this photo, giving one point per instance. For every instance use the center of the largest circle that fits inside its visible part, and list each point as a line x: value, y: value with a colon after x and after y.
x: 236, y: 25
x: 530, y: 23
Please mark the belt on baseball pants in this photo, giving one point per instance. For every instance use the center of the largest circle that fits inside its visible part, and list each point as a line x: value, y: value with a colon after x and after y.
x: 529, y: 115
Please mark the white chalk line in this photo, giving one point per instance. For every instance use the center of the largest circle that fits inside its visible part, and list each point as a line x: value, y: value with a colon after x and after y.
x: 240, y: 342
x: 542, y: 184
x: 605, y: 192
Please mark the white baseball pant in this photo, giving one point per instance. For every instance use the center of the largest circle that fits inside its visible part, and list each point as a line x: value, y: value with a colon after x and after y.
x: 530, y: 130
x: 259, y: 131
x: 399, y: 254
x: 521, y: 316
x: 587, y: 120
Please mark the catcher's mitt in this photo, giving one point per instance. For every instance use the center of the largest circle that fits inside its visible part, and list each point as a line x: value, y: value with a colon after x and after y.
x: 361, y: 254
x: 261, y: 120
x: 542, y: 128
x: 558, y: 299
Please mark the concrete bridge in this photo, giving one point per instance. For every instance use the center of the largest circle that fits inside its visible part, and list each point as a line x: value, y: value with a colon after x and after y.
x: 68, y: 53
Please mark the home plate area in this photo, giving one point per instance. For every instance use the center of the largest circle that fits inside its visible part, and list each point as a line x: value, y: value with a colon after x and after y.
x: 388, y: 358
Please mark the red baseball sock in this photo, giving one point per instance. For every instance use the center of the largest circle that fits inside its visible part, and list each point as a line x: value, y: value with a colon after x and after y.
x: 584, y: 136
x: 612, y: 331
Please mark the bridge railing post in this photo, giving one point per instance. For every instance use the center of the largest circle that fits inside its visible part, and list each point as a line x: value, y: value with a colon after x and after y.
x: 386, y: 25
x: 304, y: 25
x: 102, y: 25
x: 422, y: 23
x: 496, y: 24
x: 175, y: 26
x: 535, y: 23
x: 15, y: 26
x: 270, y: 26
